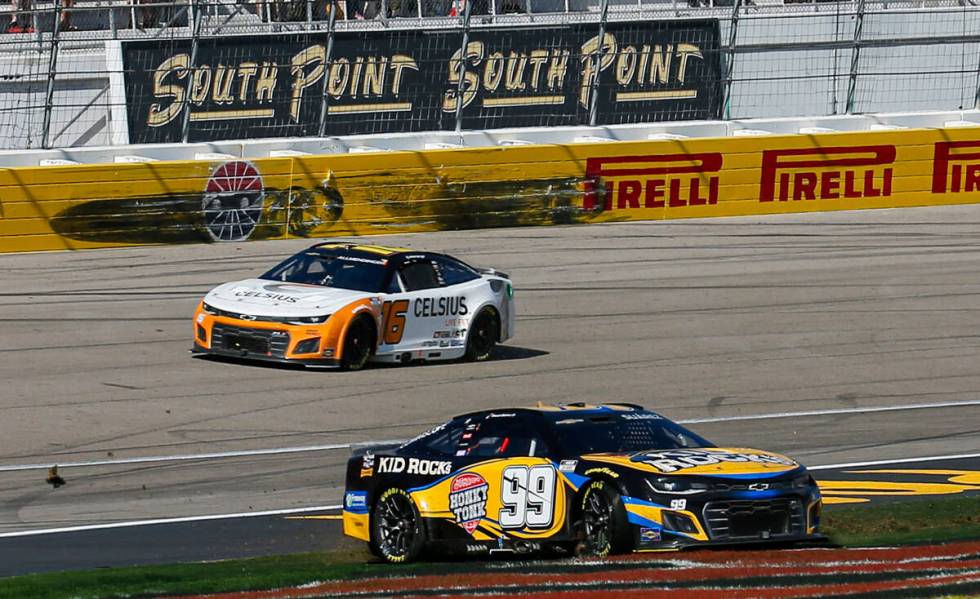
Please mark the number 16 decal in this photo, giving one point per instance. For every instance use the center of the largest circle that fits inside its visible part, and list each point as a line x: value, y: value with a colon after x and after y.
x: 528, y: 497
x: 393, y: 321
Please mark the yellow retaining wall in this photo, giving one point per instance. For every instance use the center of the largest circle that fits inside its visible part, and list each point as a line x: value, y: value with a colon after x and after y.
x: 84, y: 206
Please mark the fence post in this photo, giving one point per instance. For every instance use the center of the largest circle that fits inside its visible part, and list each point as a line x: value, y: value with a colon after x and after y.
x: 185, y: 129
x: 461, y: 71
x: 52, y: 73
x: 597, y: 68
x: 855, y: 57
x: 325, y: 90
x: 976, y: 99
x: 730, y: 67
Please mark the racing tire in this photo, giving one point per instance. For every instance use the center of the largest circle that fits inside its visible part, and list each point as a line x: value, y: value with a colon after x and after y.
x: 483, y: 335
x: 397, y: 532
x: 605, y: 528
x: 358, y: 345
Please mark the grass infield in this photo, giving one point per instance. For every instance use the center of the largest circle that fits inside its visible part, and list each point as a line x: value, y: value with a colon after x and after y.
x: 912, y: 522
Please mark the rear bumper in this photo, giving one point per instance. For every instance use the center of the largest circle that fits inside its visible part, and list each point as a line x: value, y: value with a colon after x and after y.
x: 258, y: 357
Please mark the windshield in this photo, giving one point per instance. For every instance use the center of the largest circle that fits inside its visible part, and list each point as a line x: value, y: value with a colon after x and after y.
x: 623, y: 433
x: 344, y: 270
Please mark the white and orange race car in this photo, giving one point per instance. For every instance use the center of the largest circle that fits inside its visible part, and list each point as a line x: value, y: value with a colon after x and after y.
x: 342, y: 304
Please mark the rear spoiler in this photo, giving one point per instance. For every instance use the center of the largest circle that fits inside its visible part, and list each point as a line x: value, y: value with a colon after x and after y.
x: 359, y: 449
x: 493, y: 272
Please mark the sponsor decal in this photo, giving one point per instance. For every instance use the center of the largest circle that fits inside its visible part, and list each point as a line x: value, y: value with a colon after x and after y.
x: 431, y: 307
x: 233, y: 199
x: 277, y: 297
x: 956, y: 169
x: 641, y: 416
x: 468, y: 499
x: 430, y: 343
x: 457, y: 343
x: 649, y: 535
x: 501, y: 415
x: 359, y: 259
x: 444, y: 343
x: 678, y: 504
x: 476, y: 548
x: 568, y: 465
x: 605, y: 471
x: 666, y: 181
x: 355, y: 501
x: 455, y: 322
x: 367, y: 465
x: 442, y: 334
x: 682, y: 459
x: 826, y: 173
x: 398, y: 465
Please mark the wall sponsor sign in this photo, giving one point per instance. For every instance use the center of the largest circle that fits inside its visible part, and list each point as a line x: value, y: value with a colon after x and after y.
x: 398, y: 81
x: 55, y: 207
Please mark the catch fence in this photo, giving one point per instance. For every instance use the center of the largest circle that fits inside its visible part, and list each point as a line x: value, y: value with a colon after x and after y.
x: 106, y: 72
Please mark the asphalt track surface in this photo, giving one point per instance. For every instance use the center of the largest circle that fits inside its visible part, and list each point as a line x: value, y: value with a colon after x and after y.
x: 833, y: 314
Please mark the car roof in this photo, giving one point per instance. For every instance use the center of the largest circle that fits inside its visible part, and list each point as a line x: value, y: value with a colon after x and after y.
x: 379, y: 250
x: 557, y: 409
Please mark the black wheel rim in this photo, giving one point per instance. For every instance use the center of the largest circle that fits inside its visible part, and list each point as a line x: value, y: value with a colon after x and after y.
x: 482, y: 335
x: 597, y: 514
x: 357, y: 345
x: 396, y: 526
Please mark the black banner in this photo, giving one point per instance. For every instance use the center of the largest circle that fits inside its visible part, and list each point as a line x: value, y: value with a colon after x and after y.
x: 399, y: 81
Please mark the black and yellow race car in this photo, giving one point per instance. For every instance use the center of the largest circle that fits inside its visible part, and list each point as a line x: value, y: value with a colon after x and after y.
x: 596, y: 479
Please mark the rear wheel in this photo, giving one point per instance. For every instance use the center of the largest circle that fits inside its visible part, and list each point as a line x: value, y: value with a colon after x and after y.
x: 397, y: 533
x: 604, y: 523
x: 484, y: 333
x: 358, y: 343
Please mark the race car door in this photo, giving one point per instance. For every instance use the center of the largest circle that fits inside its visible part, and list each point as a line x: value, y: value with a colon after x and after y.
x: 527, y: 496
x: 422, y: 311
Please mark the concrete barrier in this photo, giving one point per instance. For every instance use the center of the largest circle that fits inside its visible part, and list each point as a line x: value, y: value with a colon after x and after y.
x: 107, y: 205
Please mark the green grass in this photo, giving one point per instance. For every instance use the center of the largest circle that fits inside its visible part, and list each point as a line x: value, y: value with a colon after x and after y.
x: 884, y: 524
x: 212, y: 577
x: 904, y: 522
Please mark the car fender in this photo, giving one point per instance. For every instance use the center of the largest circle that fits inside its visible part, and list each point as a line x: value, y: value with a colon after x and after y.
x: 340, y: 321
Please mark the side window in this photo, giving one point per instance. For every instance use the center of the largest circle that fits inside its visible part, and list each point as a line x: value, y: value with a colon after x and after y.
x: 393, y: 286
x: 418, y: 276
x: 443, y: 441
x: 454, y: 273
x: 506, y: 437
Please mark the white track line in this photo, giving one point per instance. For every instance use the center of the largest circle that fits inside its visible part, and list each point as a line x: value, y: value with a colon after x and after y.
x: 916, y: 406
x: 958, y: 456
x: 47, y: 531
x: 338, y: 446
x: 197, y: 456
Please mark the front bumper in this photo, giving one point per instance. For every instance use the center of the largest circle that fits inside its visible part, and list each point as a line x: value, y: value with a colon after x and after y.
x: 310, y: 345
x: 198, y: 349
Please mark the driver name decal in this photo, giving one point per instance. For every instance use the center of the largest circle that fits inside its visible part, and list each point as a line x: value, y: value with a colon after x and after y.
x: 468, y: 499
x: 672, y: 461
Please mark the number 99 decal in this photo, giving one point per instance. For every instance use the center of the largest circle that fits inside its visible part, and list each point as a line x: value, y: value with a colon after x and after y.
x: 528, y: 497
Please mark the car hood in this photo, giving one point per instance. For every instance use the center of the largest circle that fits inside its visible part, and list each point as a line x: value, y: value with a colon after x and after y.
x: 714, y: 461
x: 261, y: 297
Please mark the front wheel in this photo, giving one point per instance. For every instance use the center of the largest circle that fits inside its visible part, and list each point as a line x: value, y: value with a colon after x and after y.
x: 604, y: 523
x: 397, y: 533
x: 358, y: 343
x: 484, y: 333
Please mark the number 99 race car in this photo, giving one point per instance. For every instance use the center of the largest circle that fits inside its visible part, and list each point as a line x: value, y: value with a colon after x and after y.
x: 341, y: 304
x: 596, y: 479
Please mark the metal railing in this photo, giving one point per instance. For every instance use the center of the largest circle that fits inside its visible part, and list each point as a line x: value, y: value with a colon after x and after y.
x: 776, y: 59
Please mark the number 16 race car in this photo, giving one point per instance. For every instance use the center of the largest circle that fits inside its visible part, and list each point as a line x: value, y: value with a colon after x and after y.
x: 596, y: 479
x: 341, y: 304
